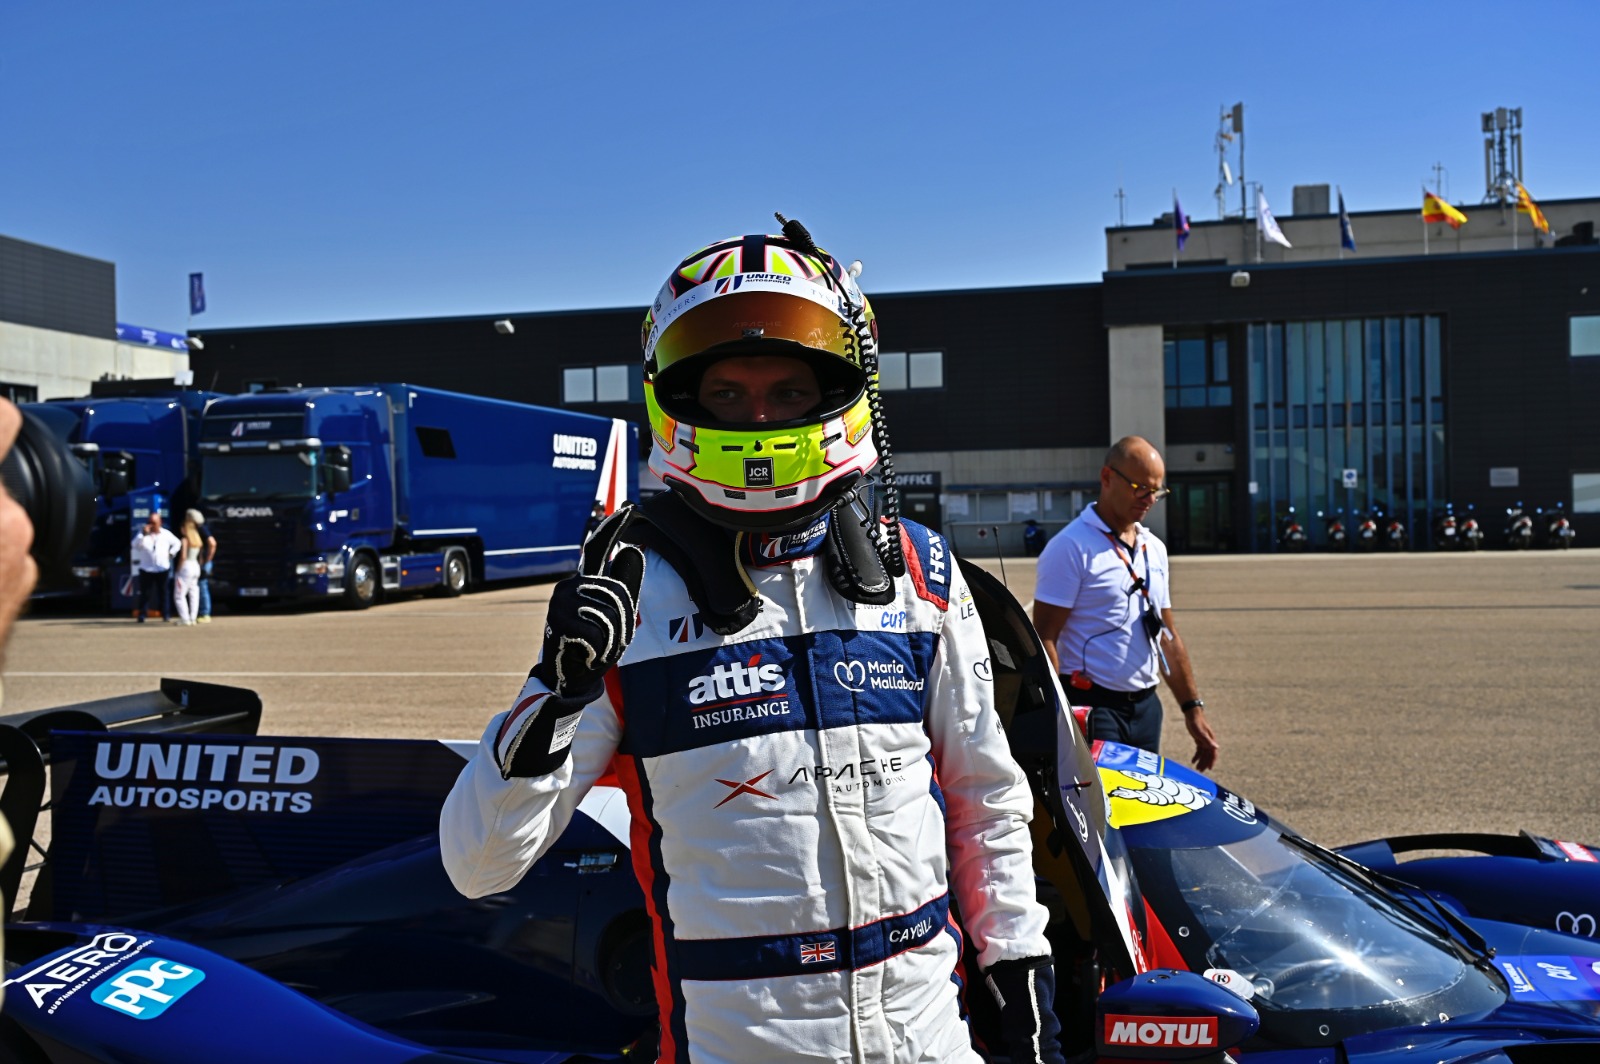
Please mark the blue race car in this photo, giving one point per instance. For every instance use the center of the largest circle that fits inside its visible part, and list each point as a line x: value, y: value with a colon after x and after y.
x: 213, y: 895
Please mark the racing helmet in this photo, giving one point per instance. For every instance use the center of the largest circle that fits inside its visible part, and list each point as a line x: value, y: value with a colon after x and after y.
x: 762, y: 295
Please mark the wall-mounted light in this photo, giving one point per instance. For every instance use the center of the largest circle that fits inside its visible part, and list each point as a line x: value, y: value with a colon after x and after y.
x: 1240, y: 279
x: 504, y: 327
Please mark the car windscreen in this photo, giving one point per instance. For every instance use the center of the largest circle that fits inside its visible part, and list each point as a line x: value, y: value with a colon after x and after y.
x: 1328, y: 954
x: 259, y: 476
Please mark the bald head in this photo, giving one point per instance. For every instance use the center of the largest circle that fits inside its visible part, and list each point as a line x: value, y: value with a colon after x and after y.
x: 1132, y: 450
x: 1133, y: 467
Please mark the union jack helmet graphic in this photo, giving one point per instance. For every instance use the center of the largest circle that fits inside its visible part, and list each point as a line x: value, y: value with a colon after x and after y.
x: 761, y: 294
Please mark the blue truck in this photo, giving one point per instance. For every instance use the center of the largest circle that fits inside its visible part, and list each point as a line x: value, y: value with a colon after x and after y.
x: 352, y: 492
x: 139, y: 440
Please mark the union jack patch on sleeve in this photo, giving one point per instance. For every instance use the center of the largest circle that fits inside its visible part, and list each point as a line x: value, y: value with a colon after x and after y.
x: 817, y: 952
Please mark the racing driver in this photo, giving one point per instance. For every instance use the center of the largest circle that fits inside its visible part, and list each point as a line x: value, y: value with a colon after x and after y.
x: 791, y: 686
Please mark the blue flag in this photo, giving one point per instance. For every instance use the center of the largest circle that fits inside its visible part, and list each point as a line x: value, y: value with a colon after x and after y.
x: 1180, y: 221
x: 1347, y: 235
x: 197, y: 293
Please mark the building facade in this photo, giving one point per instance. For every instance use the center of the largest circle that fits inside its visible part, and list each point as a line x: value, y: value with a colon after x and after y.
x: 59, y: 331
x: 1399, y: 382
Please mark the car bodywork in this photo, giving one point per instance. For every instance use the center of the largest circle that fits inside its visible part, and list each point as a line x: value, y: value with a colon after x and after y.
x: 213, y: 894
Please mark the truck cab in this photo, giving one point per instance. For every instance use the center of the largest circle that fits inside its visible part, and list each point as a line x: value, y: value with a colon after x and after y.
x: 349, y: 492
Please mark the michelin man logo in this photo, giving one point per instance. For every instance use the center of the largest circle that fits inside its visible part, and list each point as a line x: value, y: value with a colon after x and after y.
x: 1161, y: 791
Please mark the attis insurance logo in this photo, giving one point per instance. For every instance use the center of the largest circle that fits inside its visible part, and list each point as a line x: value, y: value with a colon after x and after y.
x: 739, y: 691
x: 1162, y: 1033
x: 758, y: 472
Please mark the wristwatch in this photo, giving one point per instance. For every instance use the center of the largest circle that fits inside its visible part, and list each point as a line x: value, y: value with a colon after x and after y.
x: 1193, y: 703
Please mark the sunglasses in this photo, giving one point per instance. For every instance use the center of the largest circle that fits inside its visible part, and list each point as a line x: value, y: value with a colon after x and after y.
x: 1141, y: 491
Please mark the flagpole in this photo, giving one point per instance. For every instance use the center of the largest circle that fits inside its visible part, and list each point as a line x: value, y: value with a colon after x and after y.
x: 1177, y: 224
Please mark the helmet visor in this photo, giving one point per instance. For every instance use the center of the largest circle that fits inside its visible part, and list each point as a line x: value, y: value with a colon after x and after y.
x: 756, y: 315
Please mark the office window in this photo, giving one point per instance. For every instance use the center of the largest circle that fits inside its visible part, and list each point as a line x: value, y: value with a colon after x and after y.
x: 898, y: 371
x: 1586, y: 493
x: 1196, y: 367
x: 577, y: 384
x: 1586, y: 335
x: 19, y: 393
x: 621, y: 383
x: 926, y: 369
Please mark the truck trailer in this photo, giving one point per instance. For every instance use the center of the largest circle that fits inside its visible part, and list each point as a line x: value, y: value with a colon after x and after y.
x: 139, y: 440
x: 353, y: 491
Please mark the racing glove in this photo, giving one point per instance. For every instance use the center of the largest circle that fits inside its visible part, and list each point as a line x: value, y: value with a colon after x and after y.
x: 592, y: 617
x: 1025, y: 990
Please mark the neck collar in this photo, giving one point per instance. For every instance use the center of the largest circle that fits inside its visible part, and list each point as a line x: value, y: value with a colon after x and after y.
x: 762, y: 550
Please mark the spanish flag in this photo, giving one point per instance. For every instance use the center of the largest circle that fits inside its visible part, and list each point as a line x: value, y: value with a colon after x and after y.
x: 1526, y: 205
x: 1435, y: 209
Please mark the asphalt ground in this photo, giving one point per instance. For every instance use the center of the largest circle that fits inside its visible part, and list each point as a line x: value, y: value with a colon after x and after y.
x: 1354, y: 696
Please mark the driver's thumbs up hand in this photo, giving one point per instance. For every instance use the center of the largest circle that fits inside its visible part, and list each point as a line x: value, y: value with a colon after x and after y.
x: 591, y: 620
x: 592, y: 615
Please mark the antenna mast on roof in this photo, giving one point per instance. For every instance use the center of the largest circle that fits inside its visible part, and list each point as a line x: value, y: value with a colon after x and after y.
x: 1502, y: 154
x: 1230, y: 123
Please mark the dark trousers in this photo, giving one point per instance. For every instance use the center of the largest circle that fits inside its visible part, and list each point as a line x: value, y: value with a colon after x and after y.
x: 152, y: 586
x: 1133, y: 718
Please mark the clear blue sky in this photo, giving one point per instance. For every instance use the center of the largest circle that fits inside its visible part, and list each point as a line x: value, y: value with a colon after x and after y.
x: 339, y: 161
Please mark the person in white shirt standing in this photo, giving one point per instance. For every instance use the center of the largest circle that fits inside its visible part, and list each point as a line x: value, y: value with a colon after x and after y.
x: 1103, y: 608
x: 151, y: 554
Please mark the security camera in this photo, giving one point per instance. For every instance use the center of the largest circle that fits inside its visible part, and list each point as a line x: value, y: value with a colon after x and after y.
x: 1240, y: 279
x: 504, y: 327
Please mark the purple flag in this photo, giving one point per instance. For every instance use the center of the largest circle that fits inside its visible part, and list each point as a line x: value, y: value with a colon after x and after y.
x: 1180, y: 221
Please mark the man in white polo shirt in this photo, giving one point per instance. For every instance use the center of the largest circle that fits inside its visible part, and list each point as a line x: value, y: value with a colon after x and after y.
x: 1103, y: 608
x: 151, y: 553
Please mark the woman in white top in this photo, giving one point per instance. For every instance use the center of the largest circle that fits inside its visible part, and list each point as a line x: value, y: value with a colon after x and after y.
x: 187, y: 589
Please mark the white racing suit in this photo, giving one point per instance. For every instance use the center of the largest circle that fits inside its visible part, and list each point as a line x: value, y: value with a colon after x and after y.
x: 804, y: 796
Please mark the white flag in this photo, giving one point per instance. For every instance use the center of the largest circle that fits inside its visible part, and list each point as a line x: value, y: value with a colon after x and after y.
x: 1269, y: 224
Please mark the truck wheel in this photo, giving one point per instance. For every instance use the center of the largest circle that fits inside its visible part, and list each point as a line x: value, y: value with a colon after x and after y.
x: 457, y: 574
x: 361, y: 582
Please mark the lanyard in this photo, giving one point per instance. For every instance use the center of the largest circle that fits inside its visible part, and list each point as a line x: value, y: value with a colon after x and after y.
x: 1141, y: 584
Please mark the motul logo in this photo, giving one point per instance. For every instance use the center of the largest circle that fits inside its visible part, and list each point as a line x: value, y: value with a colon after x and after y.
x: 1143, y: 1031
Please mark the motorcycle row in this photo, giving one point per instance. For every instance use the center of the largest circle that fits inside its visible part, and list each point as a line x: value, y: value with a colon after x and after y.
x: 1377, y: 529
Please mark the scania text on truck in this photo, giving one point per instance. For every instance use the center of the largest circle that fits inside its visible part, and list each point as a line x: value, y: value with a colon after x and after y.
x: 353, y: 491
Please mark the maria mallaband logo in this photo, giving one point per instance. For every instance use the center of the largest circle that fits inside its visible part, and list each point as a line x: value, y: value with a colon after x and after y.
x: 879, y: 675
x: 204, y: 775
x: 736, y: 691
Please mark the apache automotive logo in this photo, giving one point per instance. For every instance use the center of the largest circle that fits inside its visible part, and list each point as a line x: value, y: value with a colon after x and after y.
x: 758, y: 472
x: 1164, y: 1033
x: 573, y: 452
x: 745, y: 692
x: 57, y: 979
x: 854, y: 775
x: 880, y: 675
x: 247, y: 511
x: 147, y: 989
x: 256, y: 779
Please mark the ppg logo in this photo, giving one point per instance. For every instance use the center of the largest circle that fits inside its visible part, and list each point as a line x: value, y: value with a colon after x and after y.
x: 147, y: 989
